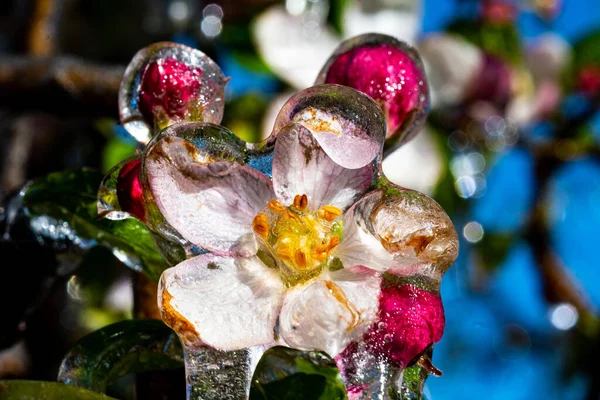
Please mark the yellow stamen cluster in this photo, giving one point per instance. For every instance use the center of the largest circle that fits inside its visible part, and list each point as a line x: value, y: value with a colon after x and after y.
x: 299, y: 240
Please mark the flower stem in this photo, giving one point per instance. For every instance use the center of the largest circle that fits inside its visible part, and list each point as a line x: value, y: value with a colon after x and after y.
x: 214, y: 374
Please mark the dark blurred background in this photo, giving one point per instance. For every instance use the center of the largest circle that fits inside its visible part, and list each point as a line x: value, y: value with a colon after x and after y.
x: 511, y: 151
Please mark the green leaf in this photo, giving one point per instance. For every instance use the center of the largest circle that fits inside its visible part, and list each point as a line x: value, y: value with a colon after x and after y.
x: 587, y: 51
x: 39, y: 390
x: 119, y: 349
x: 70, y: 197
x: 336, y: 13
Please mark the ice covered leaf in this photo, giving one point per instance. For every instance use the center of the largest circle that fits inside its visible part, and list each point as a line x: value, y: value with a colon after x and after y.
x: 167, y: 83
x: 40, y: 390
x: 390, y: 72
x: 63, y: 206
x: 119, y: 349
x: 287, y: 373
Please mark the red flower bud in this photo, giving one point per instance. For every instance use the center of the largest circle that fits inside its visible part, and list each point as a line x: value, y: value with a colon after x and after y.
x: 167, y: 87
x: 129, y: 190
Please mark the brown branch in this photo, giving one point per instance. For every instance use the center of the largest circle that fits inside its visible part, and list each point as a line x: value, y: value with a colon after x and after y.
x: 44, y: 27
x: 59, y: 85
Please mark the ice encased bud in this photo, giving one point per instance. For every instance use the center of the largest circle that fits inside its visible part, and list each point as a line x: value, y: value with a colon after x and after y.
x: 389, y: 71
x: 129, y: 190
x: 167, y: 83
x: 120, y: 193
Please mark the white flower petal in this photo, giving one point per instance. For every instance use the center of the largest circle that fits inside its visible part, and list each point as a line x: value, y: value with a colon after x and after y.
x: 221, y: 302
x: 327, y: 314
x: 300, y: 166
x: 211, y: 203
x: 282, y: 41
x: 359, y: 247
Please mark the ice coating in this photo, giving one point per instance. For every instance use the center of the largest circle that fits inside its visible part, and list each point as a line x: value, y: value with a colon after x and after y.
x: 129, y: 190
x: 167, y: 83
x: 391, y: 73
x: 212, y: 142
x: 289, y: 267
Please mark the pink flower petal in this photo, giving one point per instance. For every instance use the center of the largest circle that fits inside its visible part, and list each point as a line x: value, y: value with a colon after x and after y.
x: 209, y: 202
x: 301, y: 166
x: 347, y: 124
x: 390, y: 72
x: 328, y: 314
x: 167, y: 83
x: 221, y: 302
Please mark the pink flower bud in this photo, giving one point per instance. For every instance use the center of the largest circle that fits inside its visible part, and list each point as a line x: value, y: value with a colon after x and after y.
x: 410, y: 320
x: 588, y: 80
x: 498, y: 12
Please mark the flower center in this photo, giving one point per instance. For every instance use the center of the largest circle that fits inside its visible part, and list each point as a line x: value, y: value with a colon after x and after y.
x: 300, y: 241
